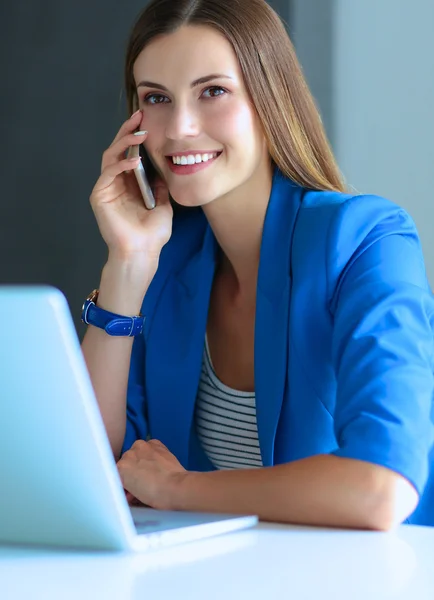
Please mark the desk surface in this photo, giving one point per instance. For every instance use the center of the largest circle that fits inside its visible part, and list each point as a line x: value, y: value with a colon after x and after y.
x: 269, y: 561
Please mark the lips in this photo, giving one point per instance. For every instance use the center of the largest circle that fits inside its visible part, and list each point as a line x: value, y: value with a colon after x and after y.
x: 192, y: 152
x: 190, y: 169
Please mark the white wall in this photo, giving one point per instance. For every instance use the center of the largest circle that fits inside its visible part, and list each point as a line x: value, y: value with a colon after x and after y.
x: 379, y: 106
x: 383, y: 106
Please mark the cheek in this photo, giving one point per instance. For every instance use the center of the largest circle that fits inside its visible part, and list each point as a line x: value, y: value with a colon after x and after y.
x: 156, y: 138
x: 155, y: 124
x: 235, y: 125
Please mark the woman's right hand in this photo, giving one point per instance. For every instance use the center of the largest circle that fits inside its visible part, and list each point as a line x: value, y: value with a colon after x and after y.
x: 130, y: 230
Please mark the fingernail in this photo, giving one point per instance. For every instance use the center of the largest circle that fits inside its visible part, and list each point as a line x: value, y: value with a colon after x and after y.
x: 136, y: 113
x: 141, y: 133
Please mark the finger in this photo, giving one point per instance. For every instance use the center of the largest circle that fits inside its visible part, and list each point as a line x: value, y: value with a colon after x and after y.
x: 139, y: 449
x: 116, y: 152
x: 128, y: 126
x: 158, y: 443
x: 129, y: 496
x: 112, y: 171
x: 159, y: 448
x: 136, y: 502
x: 139, y: 444
x: 132, y: 500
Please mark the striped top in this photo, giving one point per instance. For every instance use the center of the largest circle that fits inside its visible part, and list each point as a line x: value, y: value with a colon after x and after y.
x: 226, y: 421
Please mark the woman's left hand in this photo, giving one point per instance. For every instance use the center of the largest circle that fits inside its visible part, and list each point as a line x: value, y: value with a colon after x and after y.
x: 151, y: 474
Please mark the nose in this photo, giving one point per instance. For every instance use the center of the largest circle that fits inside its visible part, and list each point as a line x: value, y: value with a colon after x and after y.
x: 183, y: 122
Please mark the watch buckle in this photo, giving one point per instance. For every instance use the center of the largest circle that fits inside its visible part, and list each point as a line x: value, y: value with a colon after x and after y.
x: 93, y: 296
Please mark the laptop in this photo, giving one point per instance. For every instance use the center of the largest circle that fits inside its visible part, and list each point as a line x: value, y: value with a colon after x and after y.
x: 58, y: 477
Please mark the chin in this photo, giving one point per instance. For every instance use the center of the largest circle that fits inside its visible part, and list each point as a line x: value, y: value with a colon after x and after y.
x: 190, y: 203
x: 193, y: 199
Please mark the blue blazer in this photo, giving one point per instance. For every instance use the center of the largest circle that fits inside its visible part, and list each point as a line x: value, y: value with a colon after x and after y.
x: 344, y: 339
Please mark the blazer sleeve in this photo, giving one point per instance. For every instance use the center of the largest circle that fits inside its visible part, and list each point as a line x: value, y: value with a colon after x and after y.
x: 382, y: 344
x: 137, y: 426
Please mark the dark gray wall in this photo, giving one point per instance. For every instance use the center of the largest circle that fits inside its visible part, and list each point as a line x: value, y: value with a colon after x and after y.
x: 61, y: 65
x: 60, y: 103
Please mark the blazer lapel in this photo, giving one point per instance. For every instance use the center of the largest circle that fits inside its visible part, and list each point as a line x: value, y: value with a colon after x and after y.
x: 175, y: 343
x: 174, y: 350
x: 272, y: 310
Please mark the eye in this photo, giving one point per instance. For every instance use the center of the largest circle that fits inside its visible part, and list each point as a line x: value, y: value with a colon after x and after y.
x: 155, y: 99
x: 214, y: 91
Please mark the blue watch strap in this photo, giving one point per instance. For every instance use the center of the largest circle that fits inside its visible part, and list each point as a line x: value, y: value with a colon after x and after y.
x: 113, y: 324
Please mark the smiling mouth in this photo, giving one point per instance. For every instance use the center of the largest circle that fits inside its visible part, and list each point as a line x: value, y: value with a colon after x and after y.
x: 193, y: 159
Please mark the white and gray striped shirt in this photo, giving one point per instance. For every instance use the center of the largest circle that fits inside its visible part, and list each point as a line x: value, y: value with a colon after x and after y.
x: 226, y: 421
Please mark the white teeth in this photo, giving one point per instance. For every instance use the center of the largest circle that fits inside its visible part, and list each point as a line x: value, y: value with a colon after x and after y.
x: 192, y: 159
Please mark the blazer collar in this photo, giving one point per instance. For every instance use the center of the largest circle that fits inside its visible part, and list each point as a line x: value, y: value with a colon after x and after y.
x: 273, y: 301
x: 285, y: 200
x: 178, y: 330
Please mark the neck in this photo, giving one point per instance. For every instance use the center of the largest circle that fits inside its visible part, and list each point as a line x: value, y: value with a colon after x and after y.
x: 237, y: 221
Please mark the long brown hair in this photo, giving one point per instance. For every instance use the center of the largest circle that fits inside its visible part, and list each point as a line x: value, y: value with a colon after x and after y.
x: 291, y: 123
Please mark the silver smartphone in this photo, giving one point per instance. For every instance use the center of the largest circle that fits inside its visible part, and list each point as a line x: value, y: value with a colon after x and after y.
x: 142, y: 180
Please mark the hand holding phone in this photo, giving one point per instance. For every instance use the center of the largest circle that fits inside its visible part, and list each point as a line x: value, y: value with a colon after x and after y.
x: 129, y: 228
x: 142, y: 180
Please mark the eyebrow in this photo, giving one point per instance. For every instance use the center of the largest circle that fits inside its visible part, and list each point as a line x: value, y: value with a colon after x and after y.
x: 199, y: 81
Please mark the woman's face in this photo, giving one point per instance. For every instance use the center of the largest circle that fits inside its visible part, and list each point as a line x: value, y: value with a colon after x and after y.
x: 197, y: 111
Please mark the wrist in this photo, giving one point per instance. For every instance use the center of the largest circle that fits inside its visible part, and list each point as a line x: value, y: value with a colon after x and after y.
x: 124, y: 285
x: 178, y: 493
x: 144, y: 260
x: 131, y: 270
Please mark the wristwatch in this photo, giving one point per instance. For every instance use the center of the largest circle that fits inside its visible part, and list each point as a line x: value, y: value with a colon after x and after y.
x: 113, y: 324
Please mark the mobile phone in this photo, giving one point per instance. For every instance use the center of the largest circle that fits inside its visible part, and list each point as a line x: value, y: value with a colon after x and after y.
x: 139, y: 171
x: 142, y: 180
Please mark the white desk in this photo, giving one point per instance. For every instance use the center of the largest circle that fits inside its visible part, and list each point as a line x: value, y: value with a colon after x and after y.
x: 270, y: 561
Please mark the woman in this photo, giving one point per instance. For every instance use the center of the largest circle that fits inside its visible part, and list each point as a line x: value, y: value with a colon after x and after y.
x: 285, y: 365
